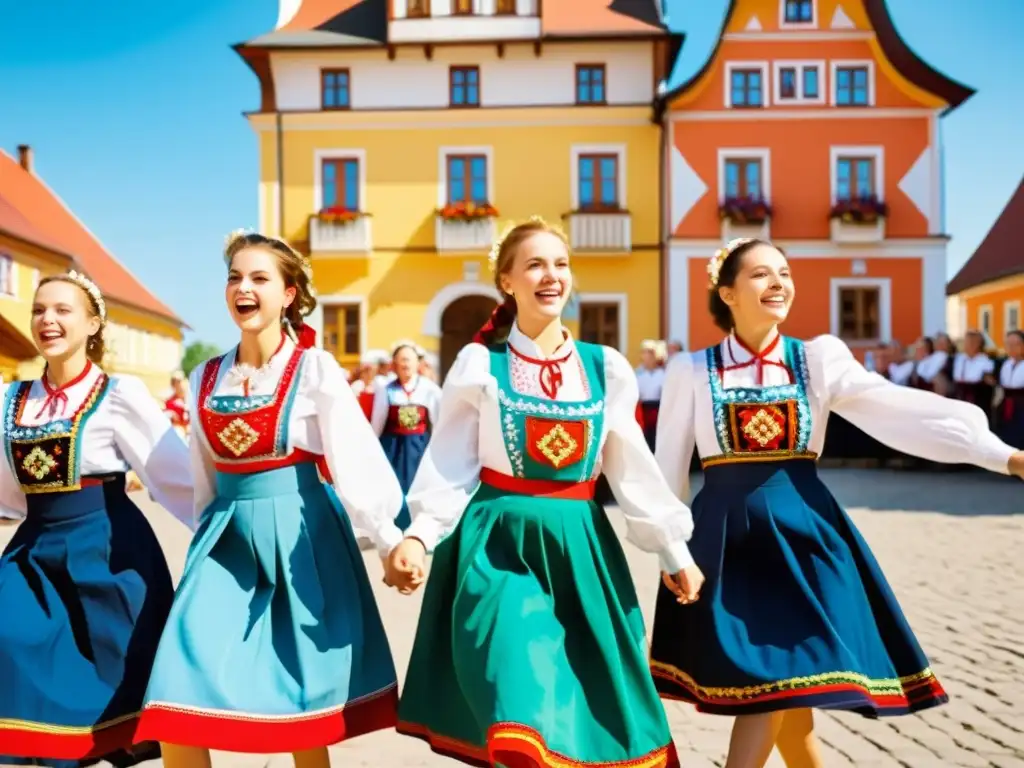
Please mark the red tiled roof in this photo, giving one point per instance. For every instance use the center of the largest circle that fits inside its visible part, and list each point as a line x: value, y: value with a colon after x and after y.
x: 1000, y: 253
x: 16, y: 225
x: 40, y: 207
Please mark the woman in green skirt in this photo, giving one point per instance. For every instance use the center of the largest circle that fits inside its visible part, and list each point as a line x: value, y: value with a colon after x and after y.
x: 531, y: 648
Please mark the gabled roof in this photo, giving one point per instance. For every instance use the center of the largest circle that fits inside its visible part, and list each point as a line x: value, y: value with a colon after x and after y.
x: 1000, y: 253
x: 17, y: 226
x: 895, y: 48
x: 57, y: 228
x: 348, y: 23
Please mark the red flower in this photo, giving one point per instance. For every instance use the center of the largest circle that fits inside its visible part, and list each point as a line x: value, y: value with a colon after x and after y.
x: 859, y: 210
x: 745, y: 210
x: 467, y: 211
x: 337, y: 213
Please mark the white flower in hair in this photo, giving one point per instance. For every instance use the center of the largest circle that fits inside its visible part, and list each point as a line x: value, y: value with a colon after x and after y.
x: 718, y: 258
x: 90, y: 288
x: 492, y: 257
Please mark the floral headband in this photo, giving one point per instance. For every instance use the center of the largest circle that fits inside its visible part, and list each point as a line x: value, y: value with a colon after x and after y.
x: 719, y: 257
x: 90, y: 288
x: 492, y: 256
x: 257, y: 238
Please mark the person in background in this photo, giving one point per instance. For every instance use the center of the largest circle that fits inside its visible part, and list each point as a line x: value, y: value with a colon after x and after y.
x: 363, y: 384
x: 650, y: 378
x: 1010, y: 414
x: 944, y: 380
x: 930, y: 362
x: 428, y: 366
x: 404, y: 413
x: 176, y: 406
x: 974, y: 373
x: 900, y: 368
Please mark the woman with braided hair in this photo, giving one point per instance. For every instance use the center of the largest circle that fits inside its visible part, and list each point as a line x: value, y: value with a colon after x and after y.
x: 796, y: 612
x: 84, y: 587
x: 530, y: 649
x: 274, y: 643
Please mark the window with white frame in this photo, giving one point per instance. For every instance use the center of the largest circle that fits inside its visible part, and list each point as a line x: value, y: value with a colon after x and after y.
x: 598, y: 177
x: 858, y: 172
x: 746, y: 84
x: 853, y: 83
x: 1011, y: 316
x: 799, y: 82
x: 604, y: 319
x: 465, y: 175
x: 339, y: 180
x: 8, y: 275
x: 744, y: 173
x: 797, y: 13
x: 985, y: 319
x: 861, y: 309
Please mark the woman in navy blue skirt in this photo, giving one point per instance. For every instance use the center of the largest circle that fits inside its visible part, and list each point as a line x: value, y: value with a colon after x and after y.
x: 404, y: 412
x: 84, y: 587
x: 795, y: 613
x: 1009, y: 416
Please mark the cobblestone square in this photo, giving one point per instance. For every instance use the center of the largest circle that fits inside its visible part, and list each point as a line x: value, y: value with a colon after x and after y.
x: 950, y: 545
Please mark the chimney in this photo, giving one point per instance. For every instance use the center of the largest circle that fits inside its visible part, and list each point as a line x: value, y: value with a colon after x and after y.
x: 25, y: 157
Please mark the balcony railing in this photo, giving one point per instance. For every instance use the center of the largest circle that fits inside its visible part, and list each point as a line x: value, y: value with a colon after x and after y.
x: 732, y: 230
x: 604, y: 231
x: 340, y: 236
x: 460, y: 235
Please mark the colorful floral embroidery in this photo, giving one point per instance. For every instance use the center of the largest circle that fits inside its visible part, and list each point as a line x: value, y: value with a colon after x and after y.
x: 38, y: 463
x: 238, y: 437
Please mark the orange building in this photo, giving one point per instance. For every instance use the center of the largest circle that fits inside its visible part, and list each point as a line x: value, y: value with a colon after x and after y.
x: 989, y: 288
x: 813, y: 124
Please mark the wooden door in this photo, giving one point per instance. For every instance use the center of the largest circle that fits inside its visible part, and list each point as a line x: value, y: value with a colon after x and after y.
x: 460, y: 321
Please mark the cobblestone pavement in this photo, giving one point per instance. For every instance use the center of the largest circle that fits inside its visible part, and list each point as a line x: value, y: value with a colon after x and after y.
x: 951, y: 546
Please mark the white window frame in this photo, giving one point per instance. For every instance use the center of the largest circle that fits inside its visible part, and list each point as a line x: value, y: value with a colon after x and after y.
x: 316, y: 319
x: 884, y: 286
x: 835, y: 65
x: 9, y: 286
x: 746, y: 153
x: 577, y: 150
x: 985, y: 311
x: 622, y: 301
x: 812, y: 24
x: 442, y: 170
x: 766, y: 89
x: 799, y: 65
x: 320, y: 155
x: 876, y: 152
x: 1010, y: 305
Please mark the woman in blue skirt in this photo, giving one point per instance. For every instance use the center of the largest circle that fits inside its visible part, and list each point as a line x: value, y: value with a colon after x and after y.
x: 795, y: 613
x: 403, y: 415
x: 84, y: 587
x: 274, y: 642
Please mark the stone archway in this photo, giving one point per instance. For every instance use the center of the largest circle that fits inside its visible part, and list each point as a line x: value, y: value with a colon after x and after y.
x: 459, y: 322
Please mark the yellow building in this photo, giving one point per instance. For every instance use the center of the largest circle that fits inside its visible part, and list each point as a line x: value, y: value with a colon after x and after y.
x: 383, y: 122
x: 40, y: 236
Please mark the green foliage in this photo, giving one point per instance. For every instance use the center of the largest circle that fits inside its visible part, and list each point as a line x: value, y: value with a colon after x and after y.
x: 195, y: 353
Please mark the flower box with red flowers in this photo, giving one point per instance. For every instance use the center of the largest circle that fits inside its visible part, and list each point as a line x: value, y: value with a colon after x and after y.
x: 745, y: 210
x: 338, y: 214
x: 859, y: 210
x: 468, y: 211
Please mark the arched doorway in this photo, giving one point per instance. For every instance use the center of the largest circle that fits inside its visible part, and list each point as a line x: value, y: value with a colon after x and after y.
x: 459, y: 321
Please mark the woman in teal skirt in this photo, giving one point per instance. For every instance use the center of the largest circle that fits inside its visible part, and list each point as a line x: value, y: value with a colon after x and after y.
x: 796, y: 613
x: 274, y: 642
x: 530, y: 649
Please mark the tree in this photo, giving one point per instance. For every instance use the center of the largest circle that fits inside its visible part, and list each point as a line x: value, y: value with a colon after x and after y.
x: 195, y: 353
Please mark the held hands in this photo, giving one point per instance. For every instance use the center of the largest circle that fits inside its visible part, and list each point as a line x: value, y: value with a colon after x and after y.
x: 404, y: 568
x: 685, y: 585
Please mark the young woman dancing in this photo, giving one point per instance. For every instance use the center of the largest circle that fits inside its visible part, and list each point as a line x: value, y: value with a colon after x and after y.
x: 530, y: 649
x: 796, y: 613
x: 274, y: 643
x: 84, y: 587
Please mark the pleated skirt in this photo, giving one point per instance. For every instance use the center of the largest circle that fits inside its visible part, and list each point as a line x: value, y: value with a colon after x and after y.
x: 84, y: 594
x: 795, y: 611
x: 530, y: 649
x: 274, y: 642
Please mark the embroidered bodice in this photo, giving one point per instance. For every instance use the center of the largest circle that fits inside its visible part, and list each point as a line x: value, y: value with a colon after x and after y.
x: 406, y: 410
x: 713, y: 402
x: 95, y: 426
x: 495, y: 414
x: 299, y: 408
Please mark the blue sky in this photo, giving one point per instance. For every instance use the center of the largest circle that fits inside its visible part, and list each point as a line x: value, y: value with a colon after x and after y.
x: 136, y: 121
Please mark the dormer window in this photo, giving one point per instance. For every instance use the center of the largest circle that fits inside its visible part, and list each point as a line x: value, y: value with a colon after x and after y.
x: 416, y: 9
x: 798, y: 12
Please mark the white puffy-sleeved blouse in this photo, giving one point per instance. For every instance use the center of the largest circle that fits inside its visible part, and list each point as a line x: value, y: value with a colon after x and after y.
x: 650, y: 382
x: 128, y: 431
x: 1011, y: 374
x: 468, y: 436
x: 421, y: 391
x: 912, y: 421
x: 325, y: 420
x: 900, y: 373
x: 972, y: 370
x: 930, y: 367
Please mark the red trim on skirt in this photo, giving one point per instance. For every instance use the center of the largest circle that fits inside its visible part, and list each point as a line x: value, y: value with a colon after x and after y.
x: 44, y: 740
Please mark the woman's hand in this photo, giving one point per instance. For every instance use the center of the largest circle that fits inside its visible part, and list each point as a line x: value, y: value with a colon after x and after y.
x: 405, y: 566
x: 1016, y: 464
x: 685, y: 585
